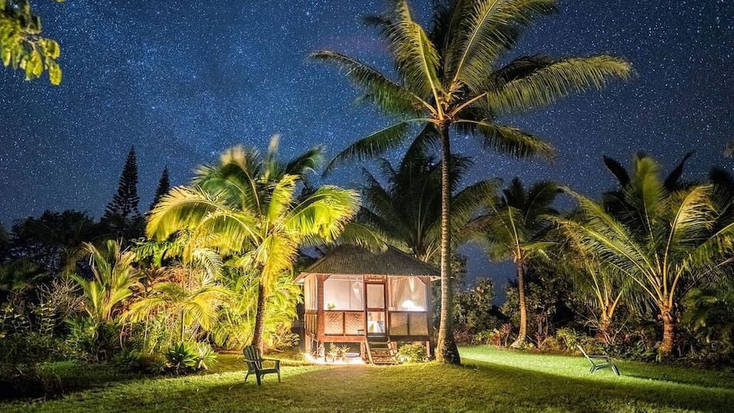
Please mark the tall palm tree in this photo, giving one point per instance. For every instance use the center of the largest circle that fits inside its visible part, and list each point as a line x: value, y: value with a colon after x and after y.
x: 407, y: 211
x: 245, y: 206
x: 669, y: 242
x: 113, y: 275
x: 451, y: 78
x: 516, y: 227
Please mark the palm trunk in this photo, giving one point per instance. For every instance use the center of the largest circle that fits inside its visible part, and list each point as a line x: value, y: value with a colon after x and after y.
x: 446, y: 351
x: 668, y: 330
x: 257, y: 333
x: 520, y: 340
x: 605, y: 325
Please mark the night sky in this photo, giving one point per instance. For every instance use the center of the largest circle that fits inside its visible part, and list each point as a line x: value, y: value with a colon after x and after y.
x: 183, y: 80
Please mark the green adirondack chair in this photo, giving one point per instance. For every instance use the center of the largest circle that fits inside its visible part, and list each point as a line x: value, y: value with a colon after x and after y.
x: 599, y: 361
x: 255, y: 362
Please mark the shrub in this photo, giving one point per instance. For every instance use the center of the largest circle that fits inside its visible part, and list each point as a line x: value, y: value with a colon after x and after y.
x: 337, y: 352
x: 135, y: 361
x: 206, y: 357
x: 187, y: 357
x: 412, y: 353
x: 182, y: 357
x: 552, y: 344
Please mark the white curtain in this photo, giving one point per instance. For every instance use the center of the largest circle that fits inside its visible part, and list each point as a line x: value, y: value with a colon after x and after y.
x: 342, y: 292
x: 407, y: 294
x: 309, y: 293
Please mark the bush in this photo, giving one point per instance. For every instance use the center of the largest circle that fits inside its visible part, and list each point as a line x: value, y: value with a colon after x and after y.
x: 206, y: 357
x: 91, y: 341
x: 337, y: 352
x: 134, y: 361
x: 552, y: 344
x: 187, y: 357
x: 412, y: 353
x: 182, y: 357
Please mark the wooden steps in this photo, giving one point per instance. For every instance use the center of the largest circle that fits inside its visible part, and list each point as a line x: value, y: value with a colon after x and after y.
x: 379, y: 351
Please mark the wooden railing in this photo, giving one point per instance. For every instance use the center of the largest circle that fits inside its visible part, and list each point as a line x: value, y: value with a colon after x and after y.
x: 343, y: 322
x: 310, y: 320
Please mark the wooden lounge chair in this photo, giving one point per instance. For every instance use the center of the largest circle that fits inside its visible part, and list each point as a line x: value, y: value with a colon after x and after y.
x: 254, y: 361
x: 599, y: 361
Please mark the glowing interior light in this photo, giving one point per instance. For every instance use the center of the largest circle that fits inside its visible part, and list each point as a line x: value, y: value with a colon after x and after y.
x: 410, y: 305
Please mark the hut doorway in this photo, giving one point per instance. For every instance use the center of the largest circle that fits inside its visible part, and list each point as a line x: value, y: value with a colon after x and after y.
x: 376, y: 299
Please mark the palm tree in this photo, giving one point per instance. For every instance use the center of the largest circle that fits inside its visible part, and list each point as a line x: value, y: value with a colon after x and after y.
x: 451, y: 77
x: 113, y: 276
x: 245, y: 206
x: 407, y: 211
x: 515, y: 227
x: 602, y: 287
x: 668, y: 243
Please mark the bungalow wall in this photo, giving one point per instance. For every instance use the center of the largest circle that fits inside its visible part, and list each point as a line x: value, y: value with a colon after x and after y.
x: 347, y: 308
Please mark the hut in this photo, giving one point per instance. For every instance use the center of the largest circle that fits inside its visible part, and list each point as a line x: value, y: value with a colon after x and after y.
x: 376, y: 299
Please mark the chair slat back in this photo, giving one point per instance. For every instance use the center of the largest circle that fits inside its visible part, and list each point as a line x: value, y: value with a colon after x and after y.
x: 253, y: 356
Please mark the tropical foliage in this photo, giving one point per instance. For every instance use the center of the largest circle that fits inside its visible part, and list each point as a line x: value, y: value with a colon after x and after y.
x: 22, y: 45
x: 667, y: 242
x: 516, y: 227
x: 246, y: 207
x: 450, y: 77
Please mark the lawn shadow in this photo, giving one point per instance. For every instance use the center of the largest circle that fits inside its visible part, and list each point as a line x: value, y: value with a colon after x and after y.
x: 607, y: 386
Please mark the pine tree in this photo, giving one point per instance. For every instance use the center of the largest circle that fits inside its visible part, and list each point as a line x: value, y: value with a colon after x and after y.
x: 122, y: 214
x: 163, y: 186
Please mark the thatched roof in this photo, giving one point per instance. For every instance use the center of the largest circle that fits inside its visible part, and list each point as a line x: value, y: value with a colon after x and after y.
x: 350, y: 259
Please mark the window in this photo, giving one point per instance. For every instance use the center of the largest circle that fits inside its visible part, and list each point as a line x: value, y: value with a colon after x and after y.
x: 343, y: 292
x: 375, y: 296
x: 407, y: 294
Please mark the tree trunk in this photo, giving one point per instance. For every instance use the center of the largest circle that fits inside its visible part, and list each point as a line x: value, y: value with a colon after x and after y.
x: 446, y: 351
x: 520, y: 340
x: 668, y: 331
x: 257, y: 332
x: 605, y: 325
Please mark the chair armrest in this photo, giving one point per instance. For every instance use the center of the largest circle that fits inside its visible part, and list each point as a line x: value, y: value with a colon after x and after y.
x: 276, y: 361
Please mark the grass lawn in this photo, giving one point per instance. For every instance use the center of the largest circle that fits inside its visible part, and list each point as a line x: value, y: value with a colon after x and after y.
x: 490, y: 380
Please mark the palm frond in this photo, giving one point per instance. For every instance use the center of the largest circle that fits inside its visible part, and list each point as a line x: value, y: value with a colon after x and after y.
x: 323, y: 214
x: 487, y: 28
x: 181, y: 208
x: 374, y: 145
x: 386, y: 94
x: 557, y: 80
x: 415, y: 56
x: 507, y: 139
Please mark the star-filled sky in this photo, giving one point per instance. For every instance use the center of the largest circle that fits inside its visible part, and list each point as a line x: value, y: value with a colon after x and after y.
x: 183, y: 80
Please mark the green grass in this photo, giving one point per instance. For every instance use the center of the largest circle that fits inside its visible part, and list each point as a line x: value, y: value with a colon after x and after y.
x: 491, y: 380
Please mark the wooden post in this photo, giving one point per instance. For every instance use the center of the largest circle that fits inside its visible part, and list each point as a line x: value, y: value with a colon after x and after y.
x: 320, y: 306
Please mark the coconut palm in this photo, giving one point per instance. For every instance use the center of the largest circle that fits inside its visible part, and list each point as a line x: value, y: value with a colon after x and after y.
x: 113, y: 275
x: 245, y: 205
x: 515, y: 226
x: 601, y: 287
x: 451, y: 78
x: 407, y: 211
x: 670, y: 242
